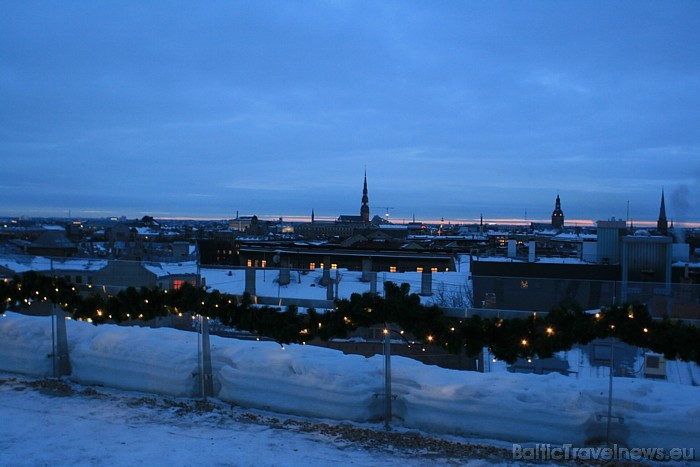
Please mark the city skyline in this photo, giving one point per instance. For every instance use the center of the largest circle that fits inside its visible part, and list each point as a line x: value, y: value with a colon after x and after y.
x: 455, y: 110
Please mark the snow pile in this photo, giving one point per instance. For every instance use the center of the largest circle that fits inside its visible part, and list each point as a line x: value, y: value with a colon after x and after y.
x: 302, y: 380
x: 319, y: 382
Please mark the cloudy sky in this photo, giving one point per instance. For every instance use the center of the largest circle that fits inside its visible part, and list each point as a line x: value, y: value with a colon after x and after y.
x: 455, y: 109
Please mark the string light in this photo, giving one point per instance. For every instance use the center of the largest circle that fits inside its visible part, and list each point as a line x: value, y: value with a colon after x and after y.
x: 550, y: 331
x: 523, y: 342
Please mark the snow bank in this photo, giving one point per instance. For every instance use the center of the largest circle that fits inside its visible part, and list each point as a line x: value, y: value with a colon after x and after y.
x: 319, y: 382
x: 161, y: 360
x: 25, y: 344
x: 303, y: 380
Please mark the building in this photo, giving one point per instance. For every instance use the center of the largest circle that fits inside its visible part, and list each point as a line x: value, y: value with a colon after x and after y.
x: 662, y: 222
x: 557, y: 215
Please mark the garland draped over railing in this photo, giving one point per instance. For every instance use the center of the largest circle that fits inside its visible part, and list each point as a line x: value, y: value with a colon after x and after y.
x: 507, y: 339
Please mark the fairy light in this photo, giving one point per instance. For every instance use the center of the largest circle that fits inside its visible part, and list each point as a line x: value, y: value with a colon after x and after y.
x: 385, y: 331
x: 645, y: 330
x: 430, y: 338
x: 523, y: 342
x: 550, y: 331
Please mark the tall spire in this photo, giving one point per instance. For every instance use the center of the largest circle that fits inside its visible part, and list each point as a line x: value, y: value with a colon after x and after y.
x: 364, y: 209
x: 313, y: 216
x: 662, y: 223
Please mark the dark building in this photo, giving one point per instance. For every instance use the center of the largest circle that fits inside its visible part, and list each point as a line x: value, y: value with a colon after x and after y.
x: 345, y: 226
x: 532, y: 286
x: 557, y: 215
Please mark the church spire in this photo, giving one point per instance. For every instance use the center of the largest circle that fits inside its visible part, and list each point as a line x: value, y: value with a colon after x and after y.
x: 662, y: 223
x: 557, y: 214
x: 364, y: 209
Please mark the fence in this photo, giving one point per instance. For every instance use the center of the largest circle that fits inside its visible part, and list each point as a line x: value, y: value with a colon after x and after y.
x: 316, y: 382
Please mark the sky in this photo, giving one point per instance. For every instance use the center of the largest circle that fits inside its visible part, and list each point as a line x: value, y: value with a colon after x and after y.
x: 454, y: 109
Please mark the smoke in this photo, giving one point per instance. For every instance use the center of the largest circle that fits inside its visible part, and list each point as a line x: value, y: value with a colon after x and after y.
x: 680, y: 201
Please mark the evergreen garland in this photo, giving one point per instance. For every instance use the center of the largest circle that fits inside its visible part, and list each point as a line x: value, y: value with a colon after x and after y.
x: 535, y: 336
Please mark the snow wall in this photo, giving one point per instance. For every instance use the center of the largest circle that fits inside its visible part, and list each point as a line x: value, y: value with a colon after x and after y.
x: 324, y: 383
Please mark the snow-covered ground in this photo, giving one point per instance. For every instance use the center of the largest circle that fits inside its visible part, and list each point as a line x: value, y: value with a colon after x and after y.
x: 317, y: 382
x: 49, y: 422
x: 306, y: 285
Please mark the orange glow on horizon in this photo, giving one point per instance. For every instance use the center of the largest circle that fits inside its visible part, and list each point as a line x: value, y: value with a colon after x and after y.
x: 457, y: 221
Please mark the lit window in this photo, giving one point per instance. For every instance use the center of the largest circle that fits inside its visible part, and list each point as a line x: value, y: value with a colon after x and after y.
x: 524, y: 284
x: 177, y: 283
x: 250, y: 263
x: 392, y: 268
x: 312, y: 266
x: 419, y: 269
x: 334, y: 266
x: 264, y: 263
x: 320, y: 265
x: 433, y: 269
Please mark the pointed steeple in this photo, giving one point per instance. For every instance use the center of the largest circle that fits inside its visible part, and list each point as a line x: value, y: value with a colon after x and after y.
x: 364, y: 209
x: 312, y: 215
x: 662, y: 223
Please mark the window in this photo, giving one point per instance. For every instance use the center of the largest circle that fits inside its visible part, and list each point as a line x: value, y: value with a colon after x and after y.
x: 250, y: 263
x: 392, y: 268
x: 334, y: 266
x: 177, y: 283
x: 524, y: 284
x: 320, y: 265
x: 264, y: 263
x: 419, y: 269
x: 312, y: 266
x: 78, y: 279
x: 433, y: 269
x: 89, y: 280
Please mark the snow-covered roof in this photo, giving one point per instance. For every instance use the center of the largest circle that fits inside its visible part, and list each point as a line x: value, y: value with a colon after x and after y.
x: 24, y: 263
x: 170, y: 269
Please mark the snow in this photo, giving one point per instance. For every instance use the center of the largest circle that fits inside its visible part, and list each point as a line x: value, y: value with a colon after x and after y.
x: 323, y: 383
x: 306, y: 285
x: 171, y: 269
x: 23, y: 263
x: 77, y: 426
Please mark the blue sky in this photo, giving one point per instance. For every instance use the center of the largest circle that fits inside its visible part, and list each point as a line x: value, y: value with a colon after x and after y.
x: 456, y: 109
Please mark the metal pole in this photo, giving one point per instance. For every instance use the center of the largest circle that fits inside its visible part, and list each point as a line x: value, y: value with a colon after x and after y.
x: 53, y: 330
x: 610, y: 389
x: 205, y: 362
x: 387, y: 377
x: 53, y: 339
